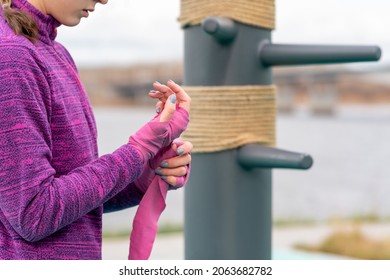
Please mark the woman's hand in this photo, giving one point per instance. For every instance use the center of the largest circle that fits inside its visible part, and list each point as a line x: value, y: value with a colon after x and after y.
x: 174, y: 170
x: 163, y: 92
x: 165, y: 126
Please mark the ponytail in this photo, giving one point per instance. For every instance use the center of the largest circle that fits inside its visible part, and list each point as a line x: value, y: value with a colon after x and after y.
x: 20, y: 22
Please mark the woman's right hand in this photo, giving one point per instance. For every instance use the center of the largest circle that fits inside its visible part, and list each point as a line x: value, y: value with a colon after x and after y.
x: 163, y: 92
x: 167, y: 125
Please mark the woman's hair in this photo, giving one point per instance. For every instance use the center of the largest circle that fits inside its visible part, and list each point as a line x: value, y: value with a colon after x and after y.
x: 20, y: 22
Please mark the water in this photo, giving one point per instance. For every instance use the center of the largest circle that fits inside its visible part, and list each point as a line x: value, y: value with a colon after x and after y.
x: 350, y: 175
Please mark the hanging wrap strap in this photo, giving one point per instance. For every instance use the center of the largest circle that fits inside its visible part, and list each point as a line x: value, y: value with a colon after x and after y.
x: 152, y: 205
x: 226, y: 117
x: 259, y: 13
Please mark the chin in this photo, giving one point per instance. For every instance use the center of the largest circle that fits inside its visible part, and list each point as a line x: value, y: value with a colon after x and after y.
x: 72, y: 22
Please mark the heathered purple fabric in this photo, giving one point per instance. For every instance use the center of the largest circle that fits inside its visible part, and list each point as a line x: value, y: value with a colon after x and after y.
x: 52, y: 182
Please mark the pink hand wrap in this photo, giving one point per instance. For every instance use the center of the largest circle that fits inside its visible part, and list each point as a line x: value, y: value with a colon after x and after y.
x: 155, y: 134
x: 153, y: 140
x: 145, y: 223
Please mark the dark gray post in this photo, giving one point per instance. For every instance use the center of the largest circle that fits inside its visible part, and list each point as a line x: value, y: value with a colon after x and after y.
x: 228, y: 210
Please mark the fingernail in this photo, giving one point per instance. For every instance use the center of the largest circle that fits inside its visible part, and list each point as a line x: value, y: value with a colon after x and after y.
x: 152, y: 91
x: 158, y: 171
x: 157, y: 82
x: 173, y: 98
x: 180, y: 152
x: 158, y: 110
x: 164, y: 177
x: 164, y: 164
x: 171, y: 81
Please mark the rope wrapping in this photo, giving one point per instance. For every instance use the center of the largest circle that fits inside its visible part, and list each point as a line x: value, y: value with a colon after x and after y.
x: 227, y: 117
x: 259, y: 13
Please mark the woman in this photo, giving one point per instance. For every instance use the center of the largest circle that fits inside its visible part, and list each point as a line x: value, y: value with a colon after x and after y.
x: 53, y: 185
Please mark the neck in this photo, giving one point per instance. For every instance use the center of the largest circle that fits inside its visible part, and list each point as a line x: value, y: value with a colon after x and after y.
x: 39, y: 4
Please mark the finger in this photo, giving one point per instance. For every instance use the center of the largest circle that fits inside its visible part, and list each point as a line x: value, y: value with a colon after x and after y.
x: 171, y: 180
x: 163, y: 89
x: 185, y: 148
x: 169, y: 109
x: 178, y: 161
x: 178, y: 171
x: 158, y: 95
x: 176, y: 182
x: 159, y: 107
x: 182, y: 97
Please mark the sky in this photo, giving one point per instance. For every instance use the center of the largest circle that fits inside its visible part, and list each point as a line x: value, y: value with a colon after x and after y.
x: 126, y: 32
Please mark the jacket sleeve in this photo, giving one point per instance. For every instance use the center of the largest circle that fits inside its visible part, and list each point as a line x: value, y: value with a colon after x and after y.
x: 129, y: 197
x: 133, y: 194
x: 36, y: 201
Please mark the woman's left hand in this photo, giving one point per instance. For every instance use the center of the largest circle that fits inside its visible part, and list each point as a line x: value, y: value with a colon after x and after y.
x: 173, y: 170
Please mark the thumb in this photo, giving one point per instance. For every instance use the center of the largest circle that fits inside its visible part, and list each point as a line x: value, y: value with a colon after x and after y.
x: 169, y: 109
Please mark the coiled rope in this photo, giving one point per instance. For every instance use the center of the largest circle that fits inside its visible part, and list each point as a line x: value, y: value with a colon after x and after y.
x: 260, y: 13
x: 226, y: 117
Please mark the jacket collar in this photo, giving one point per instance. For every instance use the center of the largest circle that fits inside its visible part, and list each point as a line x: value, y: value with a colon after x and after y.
x: 47, y: 25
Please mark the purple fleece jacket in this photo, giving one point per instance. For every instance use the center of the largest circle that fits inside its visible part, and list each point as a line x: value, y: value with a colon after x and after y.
x: 52, y: 183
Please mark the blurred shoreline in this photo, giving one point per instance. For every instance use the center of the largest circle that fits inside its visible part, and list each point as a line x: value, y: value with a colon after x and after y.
x: 320, y: 88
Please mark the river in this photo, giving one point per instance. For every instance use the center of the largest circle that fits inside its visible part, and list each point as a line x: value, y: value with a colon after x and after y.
x: 350, y: 176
